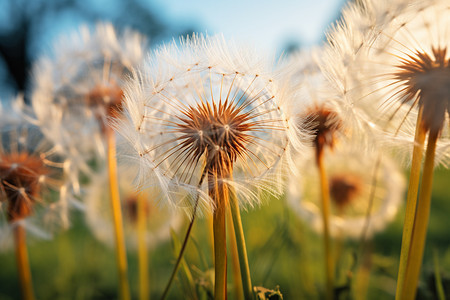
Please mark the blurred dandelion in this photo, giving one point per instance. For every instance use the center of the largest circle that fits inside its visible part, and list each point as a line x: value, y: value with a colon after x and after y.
x: 205, y: 121
x: 76, y: 91
x: 353, y: 188
x: 79, y: 85
x: 317, y: 113
x: 145, y: 224
x: 158, y: 220
x: 404, y: 73
x: 32, y: 192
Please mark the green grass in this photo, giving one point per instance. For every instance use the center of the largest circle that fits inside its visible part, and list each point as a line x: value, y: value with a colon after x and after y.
x: 282, y: 251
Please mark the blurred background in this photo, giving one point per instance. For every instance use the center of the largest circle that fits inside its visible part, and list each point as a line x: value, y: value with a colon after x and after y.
x: 28, y: 28
x: 282, y: 250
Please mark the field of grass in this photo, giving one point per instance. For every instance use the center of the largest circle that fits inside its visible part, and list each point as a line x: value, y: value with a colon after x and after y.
x: 282, y: 250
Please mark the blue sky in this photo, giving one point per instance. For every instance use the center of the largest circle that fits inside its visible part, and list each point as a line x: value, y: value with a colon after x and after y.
x: 268, y: 24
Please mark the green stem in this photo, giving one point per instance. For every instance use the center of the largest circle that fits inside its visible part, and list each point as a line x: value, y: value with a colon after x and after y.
x: 144, y: 292
x: 183, y: 246
x: 419, y: 232
x: 325, y: 194
x: 411, y: 203
x: 437, y: 277
x: 238, y: 289
x: 23, y: 264
x: 242, y: 250
x: 117, y: 217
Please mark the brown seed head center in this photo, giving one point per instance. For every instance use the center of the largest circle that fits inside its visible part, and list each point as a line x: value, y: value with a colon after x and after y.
x: 20, y: 182
x: 132, y: 208
x: 218, y: 131
x: 344, y: 189
x: 426, y: 80
x: 324, y: 124
x: 106, y: 100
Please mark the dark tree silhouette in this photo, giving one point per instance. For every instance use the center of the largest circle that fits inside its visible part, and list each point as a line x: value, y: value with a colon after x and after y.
x: 17, y: 37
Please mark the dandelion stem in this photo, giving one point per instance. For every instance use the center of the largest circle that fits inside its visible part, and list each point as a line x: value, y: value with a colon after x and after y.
x: 362, y: 277
x: 117, y: 217
x: 325, y: 194
x: 411, y: 202
x: 235, y: 259
x: 144, y: 281
x: 419, y: 231
x: 183, y: 246
x: 241, y: 248
x: 218, y: 192
x: 437, y: 277
x: 23, y: 264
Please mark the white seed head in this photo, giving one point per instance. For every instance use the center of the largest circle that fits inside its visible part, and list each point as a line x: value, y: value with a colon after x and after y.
x: 351, y: 179
x: 78, y: 87
x: 387, y: 60
x: 30, y: 175
x: 202, y: 107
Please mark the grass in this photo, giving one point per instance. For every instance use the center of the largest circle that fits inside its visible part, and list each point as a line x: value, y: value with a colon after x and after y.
x: 282, y: 251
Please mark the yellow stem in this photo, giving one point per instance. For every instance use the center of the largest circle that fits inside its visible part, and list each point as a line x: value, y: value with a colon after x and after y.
x: 117, y: 217
x: 325, y: 194
x: 144, y: 291
x: 219, y: 193
x: 23, y: 264
x: 419, y: 232
x: 209, y: 220
x: 235, y: 259
x: 220, y: 255
x: 411, y: 203
x: 362, y: 277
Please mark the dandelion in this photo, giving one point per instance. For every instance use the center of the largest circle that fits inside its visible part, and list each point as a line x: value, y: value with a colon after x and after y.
x: 403, y: 62
x: 205, y: 121
x: 79, y: 85
x: 76, y: 91
x: 145, y: 224
x: 361, y: 204
x: 30, y: 180
x: 323, y: 120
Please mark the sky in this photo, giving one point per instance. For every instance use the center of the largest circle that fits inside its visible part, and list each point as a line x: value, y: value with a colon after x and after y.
x: 270, y: 25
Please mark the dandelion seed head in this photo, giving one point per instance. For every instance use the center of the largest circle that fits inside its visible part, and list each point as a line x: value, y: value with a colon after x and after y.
x: 353, y: 179
x: 324, y: 124
x: 388, y: 59
x: 205, y: 107
x: 344, y: 188
x: 159, y: 220
x: 427, y: 78
x: 30, y: 175
x: 79, y: 86
x: 20, y: 175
